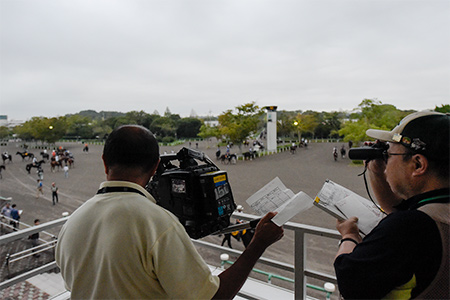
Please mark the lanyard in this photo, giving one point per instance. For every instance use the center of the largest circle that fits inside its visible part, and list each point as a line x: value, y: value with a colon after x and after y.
x: 433, y: 198
x: 119, y: 189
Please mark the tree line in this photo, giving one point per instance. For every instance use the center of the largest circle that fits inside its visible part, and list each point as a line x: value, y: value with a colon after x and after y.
x: 243, y: 123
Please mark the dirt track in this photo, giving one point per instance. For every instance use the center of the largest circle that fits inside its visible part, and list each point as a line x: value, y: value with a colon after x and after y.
x: 304, y: 171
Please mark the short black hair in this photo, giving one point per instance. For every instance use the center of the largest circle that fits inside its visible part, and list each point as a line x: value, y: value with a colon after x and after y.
x: 131, y: 146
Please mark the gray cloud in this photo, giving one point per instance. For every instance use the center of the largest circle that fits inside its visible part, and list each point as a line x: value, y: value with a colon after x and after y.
x: 61, y: 57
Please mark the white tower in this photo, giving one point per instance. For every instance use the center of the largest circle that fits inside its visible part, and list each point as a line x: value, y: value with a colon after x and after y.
x: 271, y: 128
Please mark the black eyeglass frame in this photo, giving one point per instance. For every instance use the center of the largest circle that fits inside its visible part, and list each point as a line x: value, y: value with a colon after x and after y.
x: 386, y: 155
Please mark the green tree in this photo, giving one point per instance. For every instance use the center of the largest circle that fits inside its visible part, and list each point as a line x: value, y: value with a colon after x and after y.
x: 79, y: 126
x: 373, y: 115
x: 188, y: 127
x: 43, y: 129
x: 328, y: 124
x: 443, y: 108
x: 236, y: 127
x: 207, y: 131
x: 285, y: 123
x: 304, y: 123
x: 163, y: 127
x: 4, y: 132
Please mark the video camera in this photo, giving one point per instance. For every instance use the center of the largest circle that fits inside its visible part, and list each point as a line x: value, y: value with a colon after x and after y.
x: 198, y: 194
x: 371, y: 150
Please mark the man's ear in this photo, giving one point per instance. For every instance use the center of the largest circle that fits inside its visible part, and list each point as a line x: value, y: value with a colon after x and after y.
x: 105, y: 166
x: 421, y: 164
x: 153, y: 171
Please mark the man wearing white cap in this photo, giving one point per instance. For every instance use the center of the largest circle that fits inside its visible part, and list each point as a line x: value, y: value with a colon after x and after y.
x: 407, y: 254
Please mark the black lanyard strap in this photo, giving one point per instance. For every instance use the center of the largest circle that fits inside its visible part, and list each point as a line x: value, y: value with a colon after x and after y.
x: 119, y: 189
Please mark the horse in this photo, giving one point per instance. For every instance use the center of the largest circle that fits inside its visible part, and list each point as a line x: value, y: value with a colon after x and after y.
x: 54, y: 164
x: 25, y: 154
x: 6, y: 157
x: 36, y: 165
x: 2, y: 167
x: 249, y: 155
x: 71, y: 162
x: 343, y: 152
x: 293, y: 149
x: 228, y: 158
x: 45, y: 155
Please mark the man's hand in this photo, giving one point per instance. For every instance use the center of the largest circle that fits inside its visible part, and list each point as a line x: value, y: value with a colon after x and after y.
x: 376, y: 167
x: 267, y: 232
x: 232, y: 279
x: 349, y: 228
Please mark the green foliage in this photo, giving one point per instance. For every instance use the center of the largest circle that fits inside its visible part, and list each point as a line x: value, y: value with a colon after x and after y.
x: 207, y: 131
x: 43, y: 129
x: 79, y: 126
x: 285, y: 123
x: 4, y: 132
x: 373, y: 115
x: 236, y: 127
x: 188, y: 127
x: 163, y: 126
x: 443, y: 108
x: 328, y: 124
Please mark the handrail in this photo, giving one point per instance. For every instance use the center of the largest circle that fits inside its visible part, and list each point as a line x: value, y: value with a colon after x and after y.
x: 299, y: 267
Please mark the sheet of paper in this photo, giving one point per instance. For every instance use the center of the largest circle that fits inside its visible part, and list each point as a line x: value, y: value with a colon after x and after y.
x: 274, y: 196
x: 291, y: 208
x: 270, y: 197
x: 343, y: 203
x: 354, y: 205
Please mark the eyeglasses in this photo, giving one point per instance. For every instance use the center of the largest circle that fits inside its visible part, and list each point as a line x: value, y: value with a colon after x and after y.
x: 387, y: 154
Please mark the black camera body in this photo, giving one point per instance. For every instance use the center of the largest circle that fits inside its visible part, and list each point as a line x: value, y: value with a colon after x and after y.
x: 369, y: 151
x: 198, y: 194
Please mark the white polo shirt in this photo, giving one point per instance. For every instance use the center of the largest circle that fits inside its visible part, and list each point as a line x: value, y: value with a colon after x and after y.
x: 123, y: 245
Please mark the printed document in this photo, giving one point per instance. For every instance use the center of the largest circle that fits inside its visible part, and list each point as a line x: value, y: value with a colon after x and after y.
x: 342, y: 203
x: 274, y: 196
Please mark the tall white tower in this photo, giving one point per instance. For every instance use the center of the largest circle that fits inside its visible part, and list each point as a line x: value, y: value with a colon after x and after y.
x: 271, y: 128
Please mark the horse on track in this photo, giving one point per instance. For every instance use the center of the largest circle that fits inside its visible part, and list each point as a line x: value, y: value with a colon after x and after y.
x: 228, y: 158
x: 45, y: 155
x: 249, y: 155
x: 293, y: 149
x: 6, y: 157
x: 36, y: 165
x: 54, y: 164
x: 25, y: 154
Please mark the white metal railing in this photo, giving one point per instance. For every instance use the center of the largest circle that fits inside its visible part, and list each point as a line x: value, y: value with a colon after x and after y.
x: 301, y: 273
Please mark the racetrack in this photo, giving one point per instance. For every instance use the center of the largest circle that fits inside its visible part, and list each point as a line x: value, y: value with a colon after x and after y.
x: 304, y: 171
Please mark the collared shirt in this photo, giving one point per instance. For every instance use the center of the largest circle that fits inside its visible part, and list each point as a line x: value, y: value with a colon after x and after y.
x: 123, y: 245
x: 405, y: 245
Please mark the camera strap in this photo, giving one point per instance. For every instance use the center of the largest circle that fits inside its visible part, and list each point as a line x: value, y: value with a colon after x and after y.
x: 119, y: 189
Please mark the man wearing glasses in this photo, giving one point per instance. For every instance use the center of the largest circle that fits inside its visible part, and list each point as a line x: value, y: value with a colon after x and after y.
x: 407, y: 254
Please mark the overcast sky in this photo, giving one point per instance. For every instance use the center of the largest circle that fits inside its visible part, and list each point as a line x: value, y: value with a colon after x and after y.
x: 60, y: 57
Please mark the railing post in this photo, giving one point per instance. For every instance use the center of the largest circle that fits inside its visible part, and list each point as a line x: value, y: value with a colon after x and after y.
x: 300, y: 265
x: 7, y: 264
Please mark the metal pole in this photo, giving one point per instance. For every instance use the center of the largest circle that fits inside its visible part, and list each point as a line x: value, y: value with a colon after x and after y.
x: 300, y: 265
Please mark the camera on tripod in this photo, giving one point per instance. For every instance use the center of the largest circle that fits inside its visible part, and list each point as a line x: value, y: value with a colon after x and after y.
x: 198, y: 194
x: 370, y: 151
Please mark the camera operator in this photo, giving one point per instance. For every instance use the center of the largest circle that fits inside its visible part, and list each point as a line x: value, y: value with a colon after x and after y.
x: 121, y: 244
x: 407, y: 254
